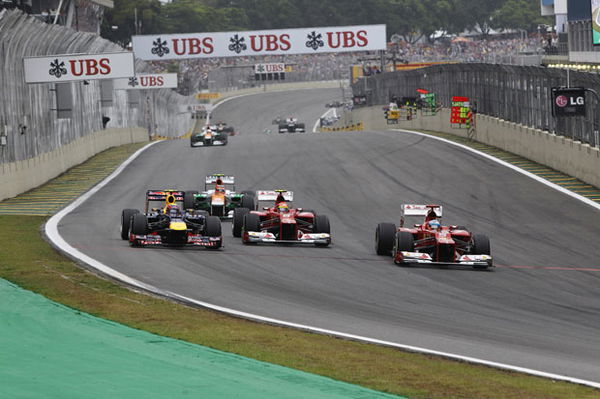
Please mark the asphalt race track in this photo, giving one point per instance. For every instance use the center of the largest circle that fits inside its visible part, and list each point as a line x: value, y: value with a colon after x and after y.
x: 538, y: 309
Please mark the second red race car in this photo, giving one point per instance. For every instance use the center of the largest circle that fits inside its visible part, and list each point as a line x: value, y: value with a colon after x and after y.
x: 428, y: 242
x: 280, y: 223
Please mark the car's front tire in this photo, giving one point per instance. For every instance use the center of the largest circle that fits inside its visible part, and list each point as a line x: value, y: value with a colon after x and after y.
x: 385, y: 234
x: 126, y: 216
x: 238, y: 221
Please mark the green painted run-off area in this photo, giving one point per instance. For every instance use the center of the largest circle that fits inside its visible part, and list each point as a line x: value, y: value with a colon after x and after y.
x: 52, y: 351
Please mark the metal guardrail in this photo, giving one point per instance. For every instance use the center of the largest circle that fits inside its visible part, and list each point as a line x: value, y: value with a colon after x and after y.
x: 519, y: 94
x: 29, y: 111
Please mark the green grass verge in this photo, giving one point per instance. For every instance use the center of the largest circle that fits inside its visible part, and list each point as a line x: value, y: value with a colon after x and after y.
x: 28, y: 261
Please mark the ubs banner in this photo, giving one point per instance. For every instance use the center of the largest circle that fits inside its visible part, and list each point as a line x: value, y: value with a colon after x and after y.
x: 147, y: 81
x: 270, y: 42
x: 64, y: 68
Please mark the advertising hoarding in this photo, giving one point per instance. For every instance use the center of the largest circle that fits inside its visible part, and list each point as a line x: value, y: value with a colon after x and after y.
x: 268, y: 42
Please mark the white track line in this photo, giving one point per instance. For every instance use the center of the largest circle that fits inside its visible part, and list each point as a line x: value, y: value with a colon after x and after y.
x: 511, y: 166
x: 51, y: 231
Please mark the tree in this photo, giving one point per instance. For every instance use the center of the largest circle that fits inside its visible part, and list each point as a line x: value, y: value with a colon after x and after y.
x: 122, y: 18
x: 519, y: 14
x: 477, y: 14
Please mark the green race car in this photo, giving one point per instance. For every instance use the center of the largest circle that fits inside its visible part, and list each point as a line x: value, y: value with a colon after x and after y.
x: 219, y: 197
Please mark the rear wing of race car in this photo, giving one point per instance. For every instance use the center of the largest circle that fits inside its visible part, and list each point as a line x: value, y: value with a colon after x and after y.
x: 165, y: 197
x: 271, y: 195
x: 214, y: 179
x: 420, y: 210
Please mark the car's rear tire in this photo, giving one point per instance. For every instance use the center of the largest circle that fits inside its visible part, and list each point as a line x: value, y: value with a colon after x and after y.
x: 248, y: 201
x: 238, y: 221
x: 126, y: 216
x: 189, y: 200
x: 139, y: 224
x: 385, y: 234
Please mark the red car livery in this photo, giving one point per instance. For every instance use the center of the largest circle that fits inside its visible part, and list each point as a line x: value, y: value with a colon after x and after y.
x: 430, y: 242
x: 280, y: 223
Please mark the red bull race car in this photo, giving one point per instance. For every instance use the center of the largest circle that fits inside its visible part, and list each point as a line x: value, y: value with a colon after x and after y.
x: 280, y: 223
x: 165, y: 222
x: 427, y: 241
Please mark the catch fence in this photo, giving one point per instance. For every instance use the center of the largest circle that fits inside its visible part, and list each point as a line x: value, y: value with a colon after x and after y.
x: 520, y: 94
x: 32, y: 119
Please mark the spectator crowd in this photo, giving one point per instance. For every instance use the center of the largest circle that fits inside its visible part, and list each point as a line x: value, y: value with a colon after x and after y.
x: 198, y: 74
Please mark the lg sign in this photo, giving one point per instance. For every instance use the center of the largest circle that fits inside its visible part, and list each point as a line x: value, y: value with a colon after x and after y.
x: 562, y: 101
x: 568, y: 101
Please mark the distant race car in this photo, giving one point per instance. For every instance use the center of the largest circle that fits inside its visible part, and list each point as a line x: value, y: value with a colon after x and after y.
x: 222, y: 127
x: 289, y: 125
x: 165, y: 222
x: 280, y: 223
x: 335, y: 104
x: 219, y: 197
x: 209, y: 136
x: 428, y: 242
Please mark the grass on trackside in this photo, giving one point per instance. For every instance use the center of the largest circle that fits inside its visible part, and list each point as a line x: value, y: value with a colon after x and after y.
x: 28, y: 261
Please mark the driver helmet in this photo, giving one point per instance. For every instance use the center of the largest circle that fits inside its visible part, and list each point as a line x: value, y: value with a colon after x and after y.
x: 280, y: 198
x: 219, y: 189
x: 282, y: 207
x: 434, y: 224
x: 173, y: 210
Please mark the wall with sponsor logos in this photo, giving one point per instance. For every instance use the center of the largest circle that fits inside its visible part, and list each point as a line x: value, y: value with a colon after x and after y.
x: 569, y: 156
x: 29, y: 112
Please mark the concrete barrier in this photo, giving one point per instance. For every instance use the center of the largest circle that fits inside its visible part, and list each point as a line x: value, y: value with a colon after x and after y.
x: 21, y: 176
x: 557, y: 152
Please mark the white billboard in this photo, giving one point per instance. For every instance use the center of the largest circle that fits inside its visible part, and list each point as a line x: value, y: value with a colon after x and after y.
x: 271, y: 42
x: 269, y: 68
x: 73, y: 67
x: 147, y: 81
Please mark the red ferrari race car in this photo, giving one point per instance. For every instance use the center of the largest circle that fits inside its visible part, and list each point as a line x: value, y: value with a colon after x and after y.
x: 280, y: 223
x: 429, y: 242
x: 169, y: 224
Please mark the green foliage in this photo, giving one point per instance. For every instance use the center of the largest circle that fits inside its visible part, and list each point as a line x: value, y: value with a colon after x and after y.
x: 519, y: 14
x: 411, y: 19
